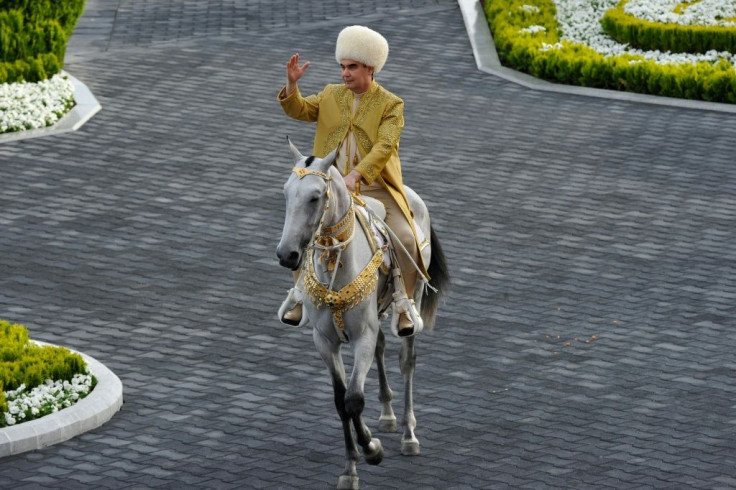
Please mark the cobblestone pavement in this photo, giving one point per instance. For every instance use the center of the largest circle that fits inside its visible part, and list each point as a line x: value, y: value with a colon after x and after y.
x: 587, y: 343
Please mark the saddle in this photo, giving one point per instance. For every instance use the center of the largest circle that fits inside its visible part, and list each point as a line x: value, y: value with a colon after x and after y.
x: 367, y: 206
x: 371, y: 215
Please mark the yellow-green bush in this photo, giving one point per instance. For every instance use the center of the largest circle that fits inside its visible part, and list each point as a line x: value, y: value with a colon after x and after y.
x: 33, y: 36
x: 543, y: 55
x: 646, y: 35
x: 22, y: 362
x: 3, y: 401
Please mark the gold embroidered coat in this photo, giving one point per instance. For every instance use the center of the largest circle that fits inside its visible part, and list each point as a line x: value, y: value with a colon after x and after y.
x: 377, y: 125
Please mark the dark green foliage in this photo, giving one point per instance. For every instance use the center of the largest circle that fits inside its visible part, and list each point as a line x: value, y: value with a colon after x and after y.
x: 33, y: 36
x: 544, y: 56
x: 646, y: 35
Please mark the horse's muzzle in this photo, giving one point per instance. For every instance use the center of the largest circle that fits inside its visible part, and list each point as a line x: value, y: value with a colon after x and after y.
x: 290, y: 259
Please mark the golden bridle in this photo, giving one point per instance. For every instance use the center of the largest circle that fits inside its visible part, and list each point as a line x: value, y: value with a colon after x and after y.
x: 332, y: 241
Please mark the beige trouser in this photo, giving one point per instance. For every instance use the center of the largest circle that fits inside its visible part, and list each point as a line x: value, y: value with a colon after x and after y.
x: 396, y: 220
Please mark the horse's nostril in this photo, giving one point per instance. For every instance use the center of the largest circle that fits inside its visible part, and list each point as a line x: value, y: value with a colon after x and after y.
x: 289, y: 260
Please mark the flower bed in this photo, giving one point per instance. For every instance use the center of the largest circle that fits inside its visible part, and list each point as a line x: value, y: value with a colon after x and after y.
x: 656, y: 26
x: 692, y: 12
x: 33, y: 36
x: 25, y: 404
x: 572, y: 48
x: 35, y: 380
x: 25, y: 105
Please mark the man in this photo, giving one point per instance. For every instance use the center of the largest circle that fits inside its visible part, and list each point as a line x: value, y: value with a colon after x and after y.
x: 365, y: 120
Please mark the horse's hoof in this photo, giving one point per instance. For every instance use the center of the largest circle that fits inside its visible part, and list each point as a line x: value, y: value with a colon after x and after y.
x: 388, y: 424
x: 348, y: 482
x: 410, y: 447
x: 374, y: 456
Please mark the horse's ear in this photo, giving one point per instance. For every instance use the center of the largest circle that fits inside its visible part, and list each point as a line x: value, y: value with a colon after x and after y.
x: 297, y: 155
x: 329, y: 160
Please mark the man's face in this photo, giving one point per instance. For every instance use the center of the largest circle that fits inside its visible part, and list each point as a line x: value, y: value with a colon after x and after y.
x: 356, y: 75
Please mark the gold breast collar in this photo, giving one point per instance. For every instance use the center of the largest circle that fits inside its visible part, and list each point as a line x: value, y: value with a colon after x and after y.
x: 338, y: 237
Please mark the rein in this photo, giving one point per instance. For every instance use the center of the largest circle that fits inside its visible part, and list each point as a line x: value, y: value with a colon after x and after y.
x: 332, y: 241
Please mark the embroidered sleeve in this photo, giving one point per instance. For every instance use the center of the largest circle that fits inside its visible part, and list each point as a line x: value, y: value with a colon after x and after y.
x: 298, y: 107
x: 392, y: 123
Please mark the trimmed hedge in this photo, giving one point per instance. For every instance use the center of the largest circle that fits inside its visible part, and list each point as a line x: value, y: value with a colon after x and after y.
x: 64, y: 12
x: 677, y: 38
x: 543, y: 55
x: 33, y: 36
x: 22, y: 362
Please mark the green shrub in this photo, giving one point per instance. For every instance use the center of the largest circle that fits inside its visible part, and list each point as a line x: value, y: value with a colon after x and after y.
x: 3, y: 401
x: 646, y: 35
x: 65, y: 12
x: 543, y: 55
x: 22, y: 362
x: 33, y: 36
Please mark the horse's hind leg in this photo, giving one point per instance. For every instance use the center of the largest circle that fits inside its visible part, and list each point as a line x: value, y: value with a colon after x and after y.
x: 407, y: 357
x: 332, y: 358
x: 387, y: 422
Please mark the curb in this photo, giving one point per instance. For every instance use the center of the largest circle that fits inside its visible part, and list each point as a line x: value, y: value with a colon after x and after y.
x: 86, y: 106
x: 89, y: 413
x: 486, y: 58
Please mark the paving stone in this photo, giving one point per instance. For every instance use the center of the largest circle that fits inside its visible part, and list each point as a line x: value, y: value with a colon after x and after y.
x: 147, y: 240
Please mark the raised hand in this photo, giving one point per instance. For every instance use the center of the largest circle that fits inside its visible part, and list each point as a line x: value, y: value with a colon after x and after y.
x: 294, y: 72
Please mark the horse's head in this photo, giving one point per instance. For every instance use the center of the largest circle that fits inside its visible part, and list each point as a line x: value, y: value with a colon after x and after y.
x: 306, y: 193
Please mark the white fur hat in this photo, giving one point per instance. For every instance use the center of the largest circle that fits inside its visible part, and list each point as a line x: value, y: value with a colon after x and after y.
x: 362, y: 44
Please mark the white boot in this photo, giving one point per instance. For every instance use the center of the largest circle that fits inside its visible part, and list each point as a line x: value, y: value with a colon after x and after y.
x: 291, y: 311
x: 406, y: 321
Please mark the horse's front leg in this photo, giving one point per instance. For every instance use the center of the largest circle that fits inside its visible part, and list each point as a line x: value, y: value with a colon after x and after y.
x: 407, y: 358
x: 330, y: 353
x: 364, y: 347
x: 387, y: 422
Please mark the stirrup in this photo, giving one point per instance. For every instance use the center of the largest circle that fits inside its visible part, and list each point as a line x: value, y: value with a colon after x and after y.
x: 402, y: 304
x: 293, y: 299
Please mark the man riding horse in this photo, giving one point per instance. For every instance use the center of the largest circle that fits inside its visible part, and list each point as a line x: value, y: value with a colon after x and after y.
x: 364, y: 121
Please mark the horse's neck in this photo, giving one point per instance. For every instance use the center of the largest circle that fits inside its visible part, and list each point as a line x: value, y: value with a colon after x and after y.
x: 340, y: 200
x: 355, y: 256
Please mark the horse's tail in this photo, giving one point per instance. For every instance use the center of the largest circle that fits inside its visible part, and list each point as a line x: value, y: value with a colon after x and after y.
x: 440, y: 280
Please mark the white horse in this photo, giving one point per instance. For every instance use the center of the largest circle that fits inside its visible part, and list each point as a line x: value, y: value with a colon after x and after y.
x: 344, y: 284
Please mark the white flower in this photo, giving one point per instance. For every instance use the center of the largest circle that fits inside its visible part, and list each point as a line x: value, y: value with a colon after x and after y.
x: 26, y: 105
x: 46, y: 398
x: 549, y: 47
x: 703, y: 12
x: 533, y: 29
x: 532, y: 9
x: 579, y: 22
